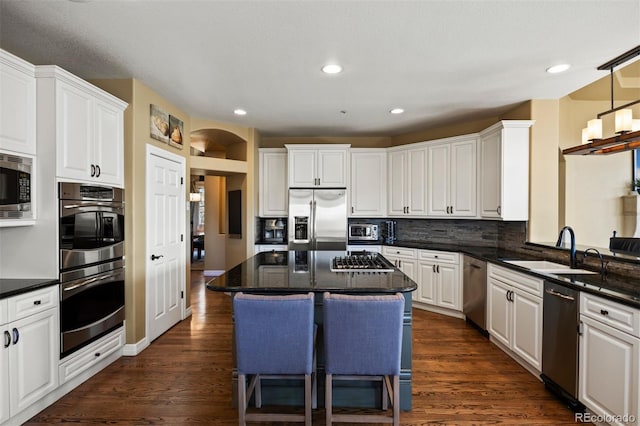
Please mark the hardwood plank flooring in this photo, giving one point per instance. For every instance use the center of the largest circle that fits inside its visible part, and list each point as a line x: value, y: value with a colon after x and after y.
x: 183, y: 377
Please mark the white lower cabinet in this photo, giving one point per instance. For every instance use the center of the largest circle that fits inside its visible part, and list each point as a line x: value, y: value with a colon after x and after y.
x: 403, y: 258
x: 610, y: 360
x: 30, y: 350
x: 438, y: 279
x: 514, y: 314
x: 85, y: 358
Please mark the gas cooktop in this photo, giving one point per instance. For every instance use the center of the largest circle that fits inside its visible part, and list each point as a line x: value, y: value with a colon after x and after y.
x: 372, y: 262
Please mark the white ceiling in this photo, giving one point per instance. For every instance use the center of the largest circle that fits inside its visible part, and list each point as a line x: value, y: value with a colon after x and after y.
x: 441, y: 61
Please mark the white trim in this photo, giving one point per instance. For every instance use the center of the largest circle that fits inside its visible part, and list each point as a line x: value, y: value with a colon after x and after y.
x: 181, y: 161
x: 133, y: 349
x: 213, y: 272
x: 187, y: 312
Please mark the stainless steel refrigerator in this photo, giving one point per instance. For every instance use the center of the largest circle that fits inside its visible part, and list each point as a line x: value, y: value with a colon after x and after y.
x: 317, y: 219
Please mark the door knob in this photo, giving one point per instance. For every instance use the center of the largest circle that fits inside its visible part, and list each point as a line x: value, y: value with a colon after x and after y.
x: 154, y: 257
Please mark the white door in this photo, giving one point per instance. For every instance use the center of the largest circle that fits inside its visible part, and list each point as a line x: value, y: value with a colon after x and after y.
x: 426, y: 283
x: 416, y: 178
x: 463, y: 178
x: 165, y: 240
x: 490, y: 175
x: 448, y: 286
x: 438, y: 173
x: 527, y: 328
x: 108, y: 154
x: 397, y: 184
x: 332, y: 168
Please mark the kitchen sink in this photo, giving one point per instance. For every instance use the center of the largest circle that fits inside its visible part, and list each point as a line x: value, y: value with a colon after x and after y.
x: 548, y: 267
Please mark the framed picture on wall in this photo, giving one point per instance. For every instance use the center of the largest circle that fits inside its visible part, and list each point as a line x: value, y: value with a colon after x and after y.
x: 176, y: 130
x: 158, y: 124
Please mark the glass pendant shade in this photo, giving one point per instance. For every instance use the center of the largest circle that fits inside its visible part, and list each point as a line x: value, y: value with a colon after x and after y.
x: 623, y: 120
x: 595, y: 128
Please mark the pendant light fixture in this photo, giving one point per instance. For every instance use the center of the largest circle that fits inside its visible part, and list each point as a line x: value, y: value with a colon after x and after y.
x: 626, y: 127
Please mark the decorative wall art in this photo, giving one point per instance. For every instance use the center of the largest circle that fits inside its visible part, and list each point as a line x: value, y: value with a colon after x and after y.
x: 159, y: 124
x: 176, y: 130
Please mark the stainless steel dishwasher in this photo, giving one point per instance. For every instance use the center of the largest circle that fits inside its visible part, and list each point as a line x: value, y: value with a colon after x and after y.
x: 560, y: 328
x: 474, y: 291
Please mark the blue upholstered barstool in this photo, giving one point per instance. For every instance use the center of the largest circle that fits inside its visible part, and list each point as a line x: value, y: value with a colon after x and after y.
x: 274, y: 337
x: 363, y: 340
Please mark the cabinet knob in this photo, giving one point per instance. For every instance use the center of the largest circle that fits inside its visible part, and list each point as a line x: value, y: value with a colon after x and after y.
x: 93, y: 170
x: 37, y: 302
x: 16, y: 335
x: 97, y: 354
x: 604, y: 312
x: 97, y: 171
x: 7, y: 339
x: 499, y: 210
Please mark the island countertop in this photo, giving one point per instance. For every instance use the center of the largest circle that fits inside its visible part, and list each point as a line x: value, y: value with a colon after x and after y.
x: 304, y: 271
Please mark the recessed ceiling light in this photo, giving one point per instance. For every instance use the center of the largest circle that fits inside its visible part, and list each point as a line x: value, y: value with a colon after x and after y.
x: 332, y: 69
x: 558, y: 68
x: 239, y: 111
x: 397, y: 111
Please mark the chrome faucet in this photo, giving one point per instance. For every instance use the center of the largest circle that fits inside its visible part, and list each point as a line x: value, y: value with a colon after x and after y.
x: 572, y: 259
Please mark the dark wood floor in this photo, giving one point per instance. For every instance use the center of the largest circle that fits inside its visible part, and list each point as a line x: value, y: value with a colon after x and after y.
x: 184, y: 378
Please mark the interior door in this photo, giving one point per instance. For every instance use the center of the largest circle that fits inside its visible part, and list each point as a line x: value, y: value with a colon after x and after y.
x: 165, y: 242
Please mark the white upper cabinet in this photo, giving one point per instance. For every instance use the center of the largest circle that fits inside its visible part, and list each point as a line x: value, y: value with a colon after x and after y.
x: 504, y: 170
x: 407, y: 181
x: 452, y: 177
x: 17, y: 105
x: 368, y: 188
x: 273, y: 198
x: 85, y: 124
x: 318, y: 166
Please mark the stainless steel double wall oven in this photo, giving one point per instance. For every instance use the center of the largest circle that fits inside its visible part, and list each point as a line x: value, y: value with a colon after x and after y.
x: 91, y: 223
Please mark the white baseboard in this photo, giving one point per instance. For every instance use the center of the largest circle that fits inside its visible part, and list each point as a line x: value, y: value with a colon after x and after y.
x: 437, y: 309
x: 133, y: 349
x: 187, y: 312
x: 213, y: 272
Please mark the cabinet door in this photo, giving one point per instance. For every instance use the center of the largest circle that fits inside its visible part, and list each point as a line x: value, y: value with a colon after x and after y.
x: 17, y: 107
x: 397, y: 182
x: 273, y: 194
x: 498, y: 311
x: 33, y: 359
x: 368, y: 187
x: 426, y: 283
x: 332, y: 168
x: 4, y: 373
x: 416, y: 181
x: 448, y: 286
x: 438, y: 180
x: 302, y: 168
x: 74, y: 120
x: 609, y: 362
x: 490, y: 175
x: 526, y: 340
x: 108, y: 157
x: 410, y: 268
x: 463, y: 178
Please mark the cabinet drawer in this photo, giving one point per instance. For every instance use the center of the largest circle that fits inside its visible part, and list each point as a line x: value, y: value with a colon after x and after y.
x: 621, y: 317
x: 90, y: 355
x: 26, y: 304
x: 439, y: 256
x: 408, y: 253
x: 522, y: 281
x: 4, y: 317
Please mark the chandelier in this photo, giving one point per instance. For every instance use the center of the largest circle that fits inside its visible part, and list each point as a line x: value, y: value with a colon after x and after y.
x: 626, y: 127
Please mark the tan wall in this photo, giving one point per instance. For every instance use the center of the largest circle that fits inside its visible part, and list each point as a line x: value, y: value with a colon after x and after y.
x: 214, y: 223
x: 593, y: 184
x: 136, y: 138
x: 543, y: 171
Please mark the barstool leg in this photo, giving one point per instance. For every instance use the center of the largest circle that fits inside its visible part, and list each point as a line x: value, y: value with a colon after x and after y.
x: 242, y: 399
x: 328, y: 401
x: 385, y: 394
x: 307, y: 399
x: 396, y: 400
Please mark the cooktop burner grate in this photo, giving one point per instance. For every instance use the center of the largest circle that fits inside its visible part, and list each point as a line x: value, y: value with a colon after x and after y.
x: 361, y: 263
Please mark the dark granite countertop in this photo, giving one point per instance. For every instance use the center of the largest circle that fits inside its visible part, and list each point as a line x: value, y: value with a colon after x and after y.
x: 623, y: 289
x: 14, y: 286
x: 304, y: 271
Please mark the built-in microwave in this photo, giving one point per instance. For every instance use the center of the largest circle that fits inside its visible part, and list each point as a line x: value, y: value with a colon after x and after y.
x: 15, y: 186
x: 363, y: 232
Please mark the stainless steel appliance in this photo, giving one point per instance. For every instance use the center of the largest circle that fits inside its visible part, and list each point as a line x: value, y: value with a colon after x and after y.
x: 274, y: 230
x: 363, y: 232
x: 91, y: 224
x: 475, y: 291
x: 560, y: 325
x: 317, y: 219
x: 372, y: 262
x: 15, y: 187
